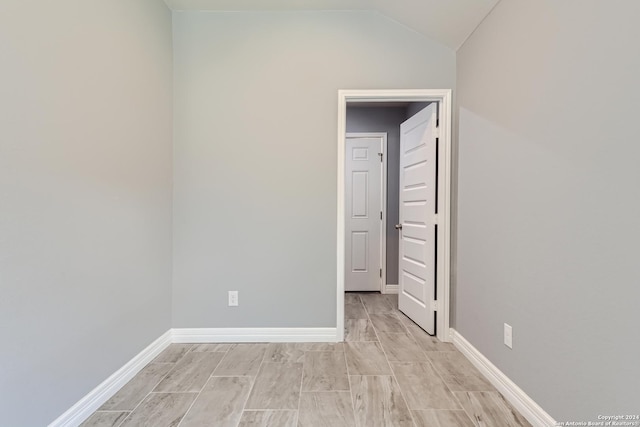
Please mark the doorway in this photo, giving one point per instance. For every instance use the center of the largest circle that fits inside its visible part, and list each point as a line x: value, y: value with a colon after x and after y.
x: 442, y: 116
x: 366, y: 193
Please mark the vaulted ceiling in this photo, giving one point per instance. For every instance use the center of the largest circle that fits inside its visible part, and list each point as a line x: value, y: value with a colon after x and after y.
x: 446, y: 21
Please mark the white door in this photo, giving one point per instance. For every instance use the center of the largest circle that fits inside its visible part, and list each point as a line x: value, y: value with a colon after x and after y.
x: 417, y: 228
x: 363, y: 246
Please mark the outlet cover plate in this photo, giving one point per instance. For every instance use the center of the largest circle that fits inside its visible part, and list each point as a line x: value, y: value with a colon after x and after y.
x: 233, y: 298
x: 508, y: 335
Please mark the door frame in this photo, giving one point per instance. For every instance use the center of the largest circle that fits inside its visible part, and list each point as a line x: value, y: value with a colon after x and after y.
x: 444, y: 98
x: 383, y: 199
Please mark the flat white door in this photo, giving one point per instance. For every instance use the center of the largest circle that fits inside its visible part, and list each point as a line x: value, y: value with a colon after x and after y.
x: 363, y: 246
x: 417, y: 249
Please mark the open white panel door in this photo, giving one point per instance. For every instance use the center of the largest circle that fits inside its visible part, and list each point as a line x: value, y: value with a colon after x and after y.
x: 363, y: 257
x: 418, y: 192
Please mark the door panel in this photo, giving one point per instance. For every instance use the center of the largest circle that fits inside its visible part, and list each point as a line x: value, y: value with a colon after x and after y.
x: 360, y: 192
x: 415, y: 250
x: 363, y: 205
x: 413, y: 285
x: 359, y: 251
x: 417, y: 216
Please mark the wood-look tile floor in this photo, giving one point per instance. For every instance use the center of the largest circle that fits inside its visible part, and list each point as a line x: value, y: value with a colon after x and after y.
x: 387, y: 373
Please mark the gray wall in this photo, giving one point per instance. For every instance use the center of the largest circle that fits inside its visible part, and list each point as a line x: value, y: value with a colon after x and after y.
x: 85, y: 193
x: 255, y: 154
x: 387, y: 119
x: 548, y: 97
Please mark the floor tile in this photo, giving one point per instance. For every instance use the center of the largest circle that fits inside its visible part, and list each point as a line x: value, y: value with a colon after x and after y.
x: 241, y: 360
x: 268, y: 419
x: 284, y: 352
x: 161, y: 409
x: 376, y: 304
x: 173, y: 353
x: 489, y: 409
x: 359, y: 330
x: 326, y: 409
x: 325, y: 371
x: 457, y: 372
x: 424, y: 340
x: 387, y: 323
x: 129, y: 396
x: 452, y: 363
x: 401, y: 348
x: 378, y: 402
x: 422, y: 387
x: 211, y: 347
x: 355, y: 311
x: 190, y: 373
x: 405, y: 319
x: 366, y: 358
x: 220, y: 403
x: 441, y: 419
x: 391, y: 299
x: 467, y: 383
x: 321, y: 346
x: 352, y: 298
x: 389, y: 371
x: 277, y: 386
x: 427, y: 342
x: 105, y: 419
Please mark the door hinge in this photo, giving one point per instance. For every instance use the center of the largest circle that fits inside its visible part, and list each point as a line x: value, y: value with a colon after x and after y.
x: 380, y: 154
x: 380, y: 215
x: 434, y: 305
x: 437, y: 121
x: 380, y: 273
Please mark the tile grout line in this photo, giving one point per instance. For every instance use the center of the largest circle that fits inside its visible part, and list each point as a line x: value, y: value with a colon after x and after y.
x: 473, y: 421
x: 393, y: 376
x: 353, y: 406
x: 202, y: 388
x: 436, y: 370
x: 253, y: 383
x: 377, y: 302
x: 154, y: 387
x: 428, y: 360
x: 197, y: 364
x: 244, y: 405
x: 375, y: 331
x: 300, y: 391
x: 439, y: 374
x: 366, y: 310
x: 226, y: 353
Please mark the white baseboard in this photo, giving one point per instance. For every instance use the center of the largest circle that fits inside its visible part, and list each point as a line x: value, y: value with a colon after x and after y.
x: 235, y: 335
x: 103, y: 392
x: 514, y: 394
x: 390, y: 288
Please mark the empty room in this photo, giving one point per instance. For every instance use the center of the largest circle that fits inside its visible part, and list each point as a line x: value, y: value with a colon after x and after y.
x: 334, y: 213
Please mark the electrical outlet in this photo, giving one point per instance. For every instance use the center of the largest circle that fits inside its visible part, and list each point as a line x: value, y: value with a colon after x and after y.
x: 233, y: 298
x: 508, y: 335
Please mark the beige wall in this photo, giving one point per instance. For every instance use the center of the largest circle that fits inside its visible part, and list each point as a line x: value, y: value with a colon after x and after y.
x: 85, y: 196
